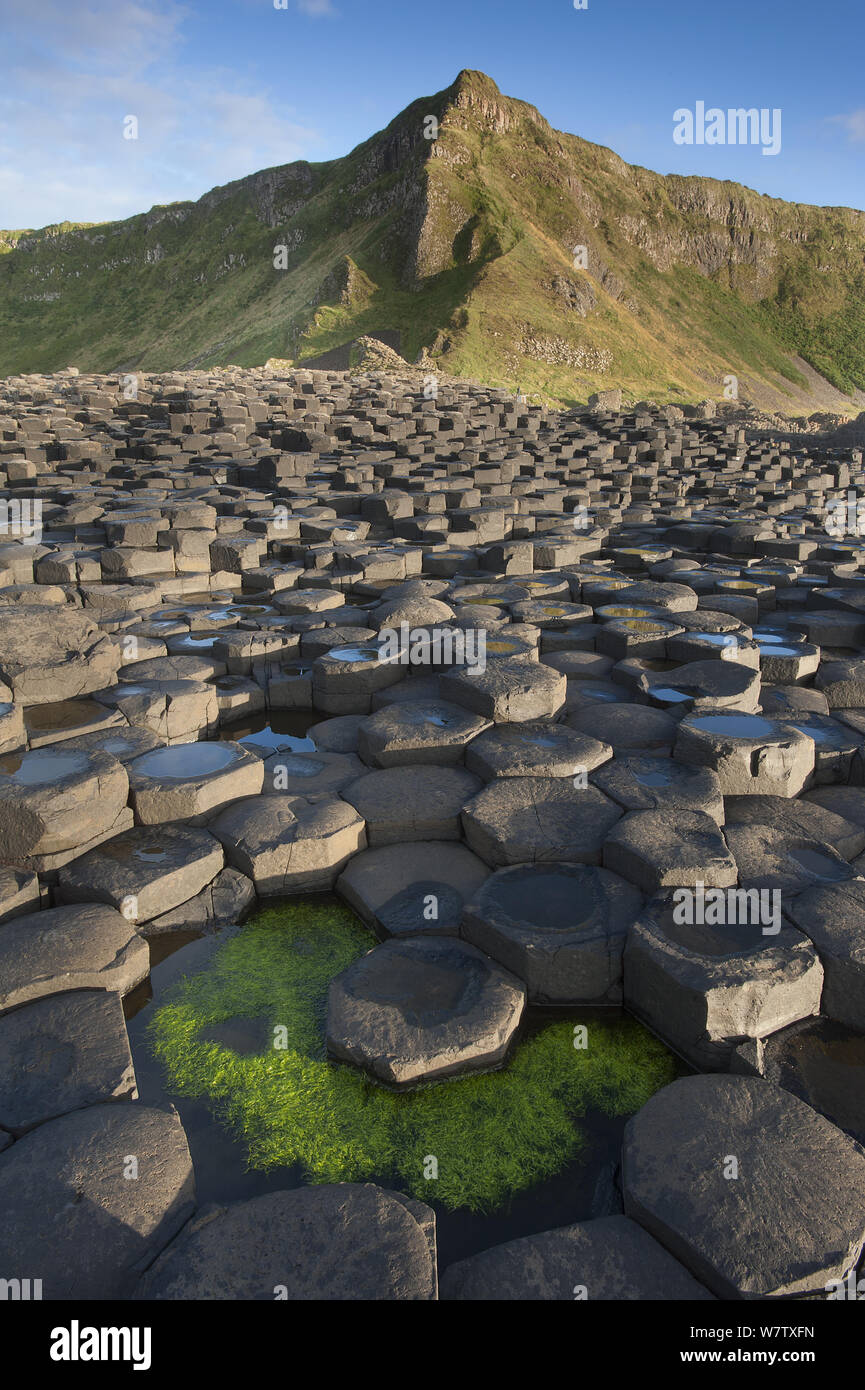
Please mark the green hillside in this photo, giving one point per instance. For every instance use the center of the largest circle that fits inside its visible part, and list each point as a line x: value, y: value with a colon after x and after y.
x: 462, y: 246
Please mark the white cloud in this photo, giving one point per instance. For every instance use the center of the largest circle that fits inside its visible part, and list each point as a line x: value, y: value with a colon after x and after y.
x: 318, y: 8
x: 854, y: 123
x: 62, y: 109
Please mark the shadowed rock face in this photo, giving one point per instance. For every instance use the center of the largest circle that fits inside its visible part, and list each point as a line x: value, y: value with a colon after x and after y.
x: 611, y: 1258
x: 820, y: 1062
x: 78, y: 1055
x: 65, y: 1175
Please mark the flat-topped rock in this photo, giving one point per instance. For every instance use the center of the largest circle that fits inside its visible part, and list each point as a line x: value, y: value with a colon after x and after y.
x: 523, y: 820
x: 707, y: 968
x: 124, y: 742
x: 832, y: 916
x: 223, y: 902
x: 90, y: 1199
x: 750, y: 754
x: 627, y: 728
x: 285, y: 843
x: 638, y: 783
x: 423, y: 732
x: 536, y: 748
x: 401, y: 804
x: 144, y: 872
x: 790, y: 1221
x: 507, y: 691
x: 310, y: 773
x: 60, y: 1054
x: 176, y: 711
x: 410, y: 889
x: 192, y: 781
x: 558, y: 927
x: 86, y: 947
x: 657, y: 849
x: 818, y: 1060
x: 57, y: 799
x: 704, y: 685
x: 51, y: 653
x: 611, y: 1258
x: 421, y: 1009
x: 799, y: 817
x: 341, y: 1242
x: 784, y: 859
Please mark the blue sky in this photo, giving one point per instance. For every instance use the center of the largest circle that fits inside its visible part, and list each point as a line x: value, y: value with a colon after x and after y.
x: 223, y: 88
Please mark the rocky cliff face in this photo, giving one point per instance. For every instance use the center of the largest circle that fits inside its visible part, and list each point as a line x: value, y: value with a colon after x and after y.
x: 470, y: 228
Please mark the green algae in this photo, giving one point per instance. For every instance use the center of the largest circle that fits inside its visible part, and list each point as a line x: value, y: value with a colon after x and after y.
x: 492, y: 1135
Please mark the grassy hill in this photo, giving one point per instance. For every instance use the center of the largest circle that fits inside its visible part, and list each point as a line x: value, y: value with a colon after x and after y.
x: 462, y: 246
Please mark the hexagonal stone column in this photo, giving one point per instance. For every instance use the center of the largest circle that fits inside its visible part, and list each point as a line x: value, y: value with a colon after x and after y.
x: 660, y: 849
x: 337, y: 1242
x: 523, y: 820
x: 818, y: 1060
x: 345, y: 679
x: 704, y: 988
x: 704, y: 685
x: 144, y: 872
x: 757, y: 1194
x: 559, y: 927
x: 286, y: 844
x: 54, y: 654
x: 412, y: 889
x: 192, y: 781
x: 749, y: 753
x: 66, y: 1186
x: 832, y: 915
x: 648, y: 784
x: 508, y: 691
x: 83, y: 947
x: 799, y: 817
x: 537, y: 748
x: 627, y: 728
x: 77, y: 1054
x: 422, y: 732
x: 400, y: 804
x: 421, y: 1009
x: 612, y: 1258
x: 56, y: 801
x: 176, y: 711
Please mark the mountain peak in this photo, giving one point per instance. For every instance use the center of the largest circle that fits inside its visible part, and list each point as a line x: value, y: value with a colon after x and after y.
x: 476, y: 94
x: 487, y: 244
x: 471, y: 80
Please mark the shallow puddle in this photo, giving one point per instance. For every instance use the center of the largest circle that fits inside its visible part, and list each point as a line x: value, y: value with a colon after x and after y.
x: 651, y: 777
x: 66, y: 714
x: 184, y: 760
x: 668, y: 695
x: 734, y: 725
x: 547, y: 900
x: 41, y: 766
x: 353, y: 654
x: 274, y: 731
